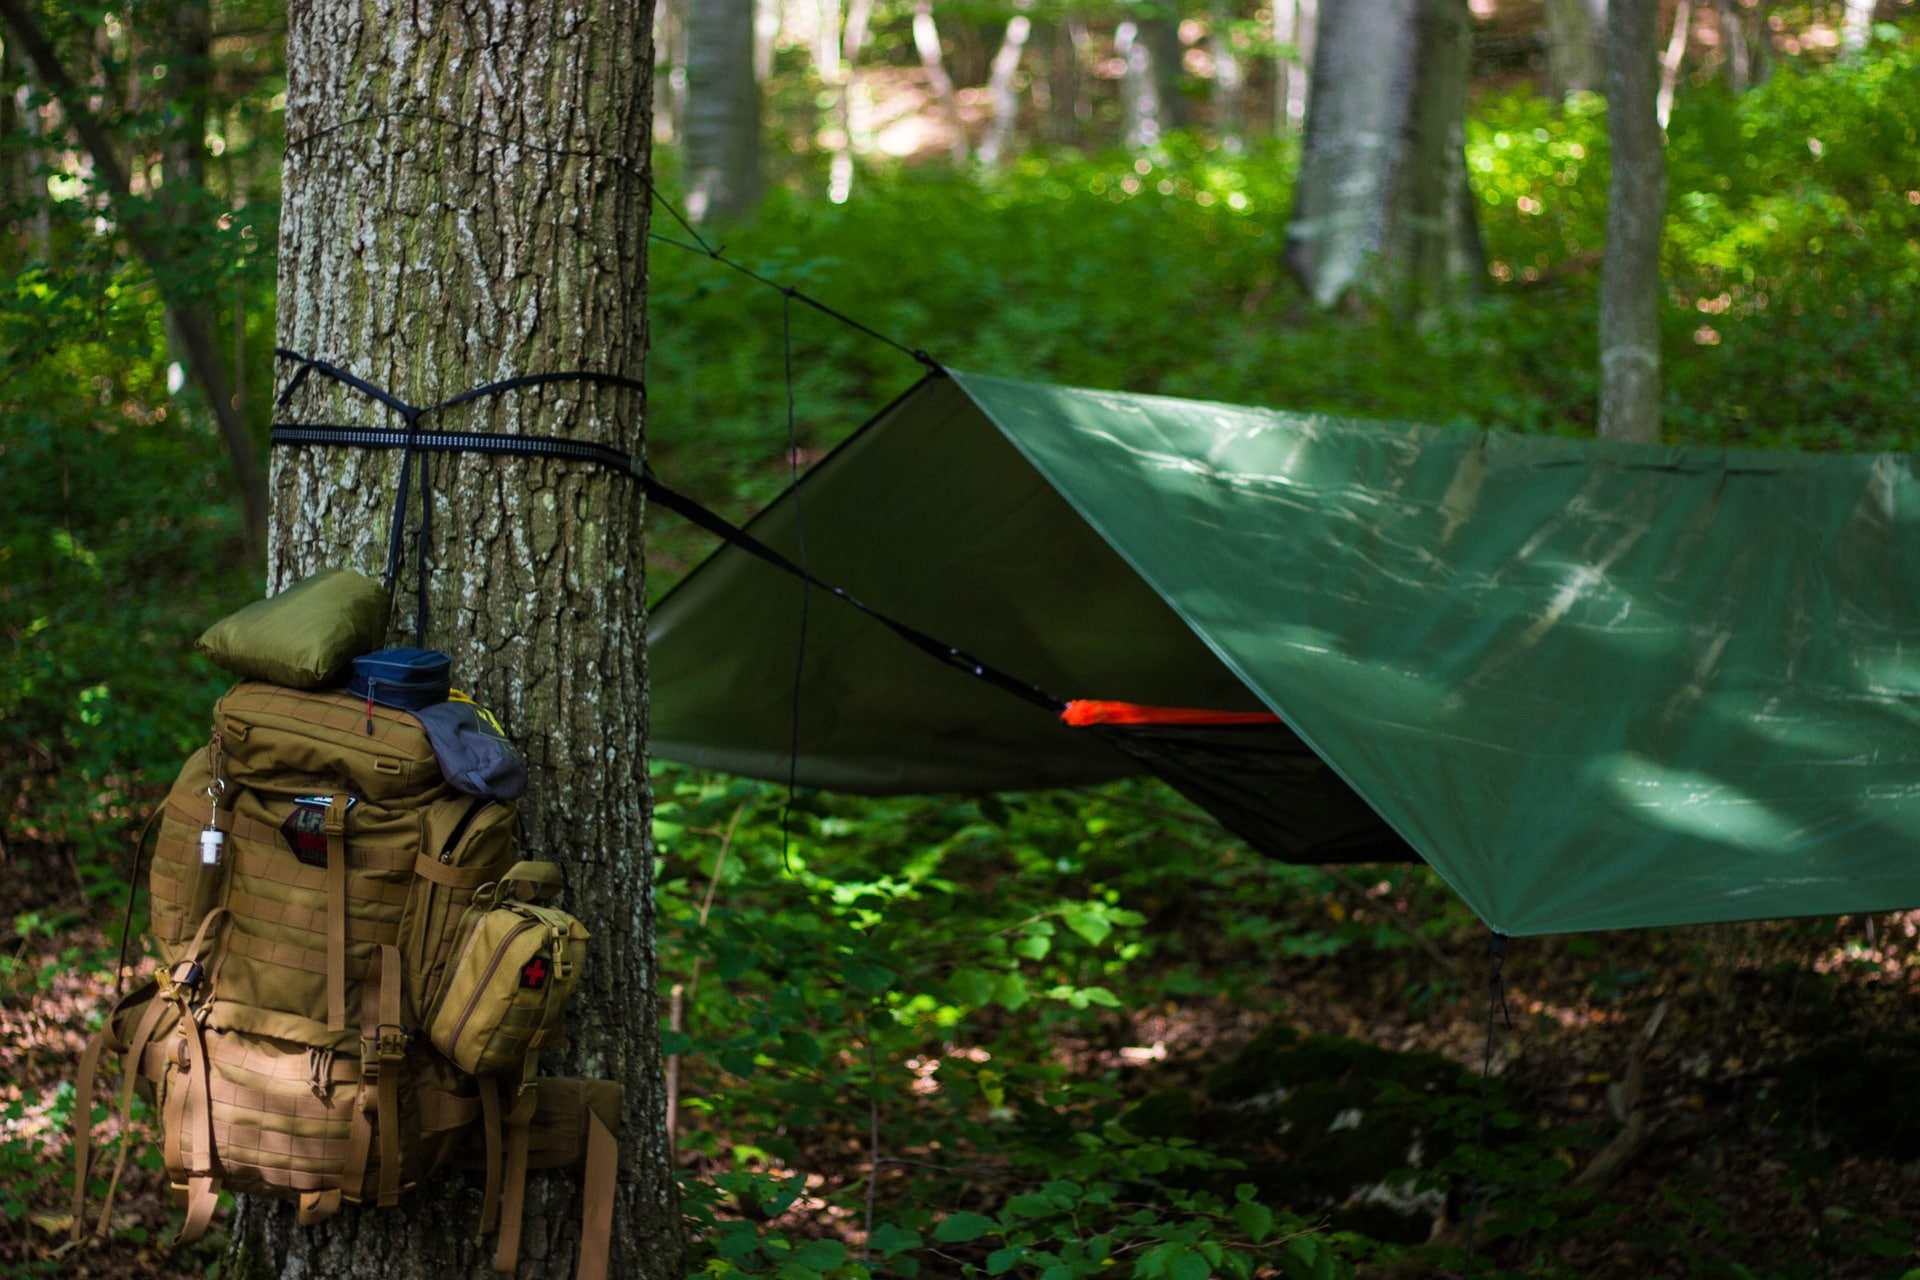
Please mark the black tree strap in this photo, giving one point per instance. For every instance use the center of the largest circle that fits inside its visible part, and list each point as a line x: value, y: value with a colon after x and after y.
x: 416, y: 439
x: 411, y: 416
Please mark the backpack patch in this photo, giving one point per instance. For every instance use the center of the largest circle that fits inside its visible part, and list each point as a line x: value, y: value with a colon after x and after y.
x: 305, y: 829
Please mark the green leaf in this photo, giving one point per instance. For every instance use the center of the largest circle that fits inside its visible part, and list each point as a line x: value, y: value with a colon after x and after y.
x: 820, y: 1255
x: 1089, y: 923
x: 972, y: 987
x: 1001, y: 1261
x: 888, y: 1239
x: 958, y: 1228
x: 1185, y: 1264
x: 1032, y: 947
x: 1010, y: 991
x: 1255, y: 1219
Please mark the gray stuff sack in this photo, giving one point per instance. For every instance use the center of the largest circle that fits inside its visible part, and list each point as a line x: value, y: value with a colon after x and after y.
x: 472, y: 749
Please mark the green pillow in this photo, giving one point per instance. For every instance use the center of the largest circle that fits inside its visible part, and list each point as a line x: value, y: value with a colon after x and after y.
x: 305, y: 636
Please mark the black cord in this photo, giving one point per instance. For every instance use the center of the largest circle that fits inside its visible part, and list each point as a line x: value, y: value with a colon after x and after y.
x: 806, y: 588
x: 793, y: 294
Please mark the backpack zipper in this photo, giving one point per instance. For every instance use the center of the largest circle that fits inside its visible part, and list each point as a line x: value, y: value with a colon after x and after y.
x: 460, y: 827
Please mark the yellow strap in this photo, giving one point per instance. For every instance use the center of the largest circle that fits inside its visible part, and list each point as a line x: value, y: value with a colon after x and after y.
x: 317, y: 1206
x: 131, y: 1061
x: 336, y: 829
x: 601, y: 1177
x: 392, y: 1049
x: 203, y: 1197
x: 506, y: 1254
x: 490, y: 1132
x: 428, y: 867
x: 190, y: 1103
x: 83, y: 1123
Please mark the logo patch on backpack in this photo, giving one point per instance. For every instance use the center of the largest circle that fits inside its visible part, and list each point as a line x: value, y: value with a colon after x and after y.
x: 535, y: 972
x: 306, y: 830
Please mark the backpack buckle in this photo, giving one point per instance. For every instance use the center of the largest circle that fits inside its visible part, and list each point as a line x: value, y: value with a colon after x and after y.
x: 388, y: 1044
x: 188, y: 974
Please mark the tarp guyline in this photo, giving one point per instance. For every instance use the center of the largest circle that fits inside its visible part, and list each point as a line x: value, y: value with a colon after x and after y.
x: 1594, y: 685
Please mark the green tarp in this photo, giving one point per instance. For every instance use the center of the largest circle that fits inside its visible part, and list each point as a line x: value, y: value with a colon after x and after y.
x: 1595, y: 686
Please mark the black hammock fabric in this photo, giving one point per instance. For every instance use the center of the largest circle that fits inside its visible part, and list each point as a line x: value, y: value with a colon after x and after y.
x: 1263, y: 784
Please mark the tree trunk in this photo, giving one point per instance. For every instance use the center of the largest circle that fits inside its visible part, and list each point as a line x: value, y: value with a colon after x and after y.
x: 1576, y: 46
x: 1229, y: 80
x: 1380, y: 206
x: 722, y: 121
x: 1671, y: 61
x: 1070, y: 105
x: 926, y: 42
x: 1636, y: 206
x: 1294, y: 25
x: 1006, y: 63
x: 1856, y: 27
x: 465, y: 200
x: 1745, y: 44
x: 669, y: 69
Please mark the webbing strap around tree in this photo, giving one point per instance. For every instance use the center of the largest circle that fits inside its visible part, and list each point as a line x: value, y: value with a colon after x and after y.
x: 416, y: 439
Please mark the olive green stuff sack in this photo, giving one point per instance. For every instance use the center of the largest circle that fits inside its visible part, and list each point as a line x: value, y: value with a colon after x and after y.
x: 304, y: 637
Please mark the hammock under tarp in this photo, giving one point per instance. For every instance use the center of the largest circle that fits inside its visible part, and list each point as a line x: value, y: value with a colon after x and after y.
x: 1594, y: 685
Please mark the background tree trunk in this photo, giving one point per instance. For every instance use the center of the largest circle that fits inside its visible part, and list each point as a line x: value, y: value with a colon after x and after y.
x: 926, y: 42
x: 1229, y: 79
x: 1636, y: 206
x: 722, y: 122
x: 465, y: 200
x: 1379, y: 202
x: 1746, y: 46
x: 1856, y: 26
x: 1294, y: 25
x: 1006, y: 64
x: 1671, y: 61
x: 1576, y: 46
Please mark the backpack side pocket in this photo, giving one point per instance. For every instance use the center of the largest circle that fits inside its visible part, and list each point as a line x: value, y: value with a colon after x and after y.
x: 465, y: 843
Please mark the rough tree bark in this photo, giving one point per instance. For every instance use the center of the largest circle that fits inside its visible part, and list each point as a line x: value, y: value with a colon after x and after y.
x: 722, y: 120
x: 465, y: 200
x: 1636, y: 207
x: 1382, y: 202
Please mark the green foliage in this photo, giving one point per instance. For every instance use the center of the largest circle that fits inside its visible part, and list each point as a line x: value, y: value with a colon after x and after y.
x: 900, y: 974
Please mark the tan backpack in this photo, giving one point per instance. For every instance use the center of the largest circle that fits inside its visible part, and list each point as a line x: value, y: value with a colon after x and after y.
x: 358, y: 973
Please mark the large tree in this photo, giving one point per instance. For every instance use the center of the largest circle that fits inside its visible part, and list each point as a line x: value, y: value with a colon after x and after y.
x: 1382, y: 204
x: 1636, y: 210
x: 722, y: 121
x: 466, y: 200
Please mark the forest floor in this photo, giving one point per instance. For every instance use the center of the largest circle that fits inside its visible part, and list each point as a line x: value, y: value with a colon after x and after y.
x: 1778, y: 1094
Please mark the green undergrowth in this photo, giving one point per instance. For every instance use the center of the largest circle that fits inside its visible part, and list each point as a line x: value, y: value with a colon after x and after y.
x: 944, y: 996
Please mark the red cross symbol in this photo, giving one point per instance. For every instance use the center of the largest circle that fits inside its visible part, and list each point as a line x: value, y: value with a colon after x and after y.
x: 535, y: 973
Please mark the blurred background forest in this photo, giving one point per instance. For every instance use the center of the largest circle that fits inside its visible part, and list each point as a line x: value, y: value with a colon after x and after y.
x: 1054, y: 1034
